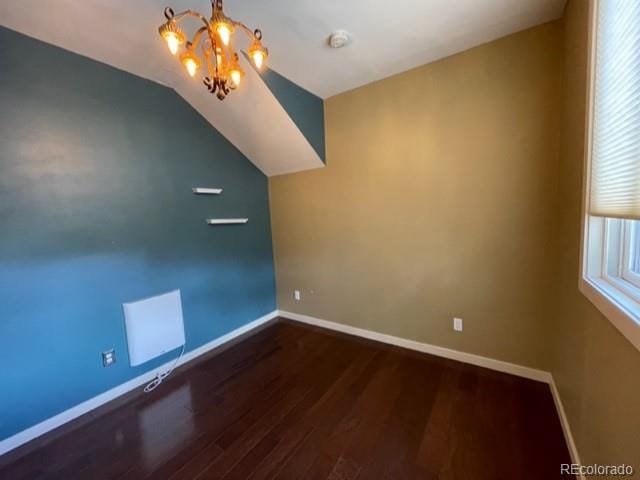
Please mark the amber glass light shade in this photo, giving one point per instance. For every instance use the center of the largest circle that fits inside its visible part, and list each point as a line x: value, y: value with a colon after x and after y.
x: 224, y: 29
x: 258, y: 53
x: 191, y: 62
x: 172, y: 35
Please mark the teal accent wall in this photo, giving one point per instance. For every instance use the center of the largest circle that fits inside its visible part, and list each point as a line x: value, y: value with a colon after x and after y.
x: 305, y: 109
x: 96, y: 209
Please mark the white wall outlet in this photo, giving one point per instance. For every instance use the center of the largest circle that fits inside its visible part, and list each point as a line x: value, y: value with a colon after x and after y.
x: 457, y: 324
x: 296, y: 295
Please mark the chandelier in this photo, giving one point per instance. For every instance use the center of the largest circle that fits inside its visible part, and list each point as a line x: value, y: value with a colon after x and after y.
x: 215, y: 40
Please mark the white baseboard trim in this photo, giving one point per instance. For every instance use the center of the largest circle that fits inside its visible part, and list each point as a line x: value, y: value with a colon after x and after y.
x: 490, y: 363
x: 499, y: 365
x: 49, y: 424
x: 566, y: 429
x: 45, y: 426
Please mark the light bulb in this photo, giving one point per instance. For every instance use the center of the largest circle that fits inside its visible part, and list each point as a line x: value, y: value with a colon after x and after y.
x: 258, y: 58
x: 236, y: 76
x: 173, y: 42
x: 224, y: 32
x: 191, y: 66
x: 190, y: 61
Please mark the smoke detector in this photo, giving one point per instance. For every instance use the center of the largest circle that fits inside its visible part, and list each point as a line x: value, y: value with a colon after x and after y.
x: 339, y: 39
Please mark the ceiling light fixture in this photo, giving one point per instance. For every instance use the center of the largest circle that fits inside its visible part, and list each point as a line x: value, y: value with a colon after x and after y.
x: 215, y: 39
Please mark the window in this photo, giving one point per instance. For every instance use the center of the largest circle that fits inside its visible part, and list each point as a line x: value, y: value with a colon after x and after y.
x: 610, y: 275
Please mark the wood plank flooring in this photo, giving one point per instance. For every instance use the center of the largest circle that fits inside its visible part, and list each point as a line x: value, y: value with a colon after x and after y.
x: 297, y: 402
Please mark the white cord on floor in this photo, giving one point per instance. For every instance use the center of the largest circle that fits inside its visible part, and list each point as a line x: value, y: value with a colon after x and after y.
x: 153, y: 384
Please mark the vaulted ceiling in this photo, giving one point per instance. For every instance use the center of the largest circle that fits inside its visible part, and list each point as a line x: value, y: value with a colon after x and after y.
x: 387, y: 37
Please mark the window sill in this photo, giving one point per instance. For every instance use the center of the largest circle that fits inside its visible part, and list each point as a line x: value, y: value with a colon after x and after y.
x: 620, y: 309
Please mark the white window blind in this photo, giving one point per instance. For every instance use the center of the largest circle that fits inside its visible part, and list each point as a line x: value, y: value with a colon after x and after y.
x: 615, y: 161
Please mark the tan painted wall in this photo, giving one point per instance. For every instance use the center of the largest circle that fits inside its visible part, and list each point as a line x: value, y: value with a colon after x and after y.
x: 596, y: 369
x: 437, y: 200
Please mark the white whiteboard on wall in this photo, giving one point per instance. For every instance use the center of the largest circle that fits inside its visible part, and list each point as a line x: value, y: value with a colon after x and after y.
x: 154, y: 326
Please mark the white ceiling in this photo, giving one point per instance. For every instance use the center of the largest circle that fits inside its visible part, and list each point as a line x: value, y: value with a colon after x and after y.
x: 389, y: 36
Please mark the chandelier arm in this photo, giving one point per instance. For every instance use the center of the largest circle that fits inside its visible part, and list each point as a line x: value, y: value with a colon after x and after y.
x: 226, y: 52
x: 210, y: 68
x: 206, y: 52
x: 198, y: 35
x: 243, y: 27
x: 210, y: 55
x: 213, y: 49
x: 189, y: 13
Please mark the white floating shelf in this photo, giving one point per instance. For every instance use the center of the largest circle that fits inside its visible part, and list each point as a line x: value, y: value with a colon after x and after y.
x: 226, y: 221
x: 207, y: 191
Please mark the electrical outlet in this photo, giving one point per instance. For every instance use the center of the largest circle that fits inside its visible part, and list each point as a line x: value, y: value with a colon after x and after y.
x: 108, y: 358
x: 296, y: 295
x: 457, y: 324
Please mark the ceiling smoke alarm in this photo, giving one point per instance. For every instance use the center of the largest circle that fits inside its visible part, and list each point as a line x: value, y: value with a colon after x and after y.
x: 339, y: 39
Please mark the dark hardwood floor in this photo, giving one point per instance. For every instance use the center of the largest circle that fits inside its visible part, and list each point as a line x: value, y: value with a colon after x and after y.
x: 297, y: 402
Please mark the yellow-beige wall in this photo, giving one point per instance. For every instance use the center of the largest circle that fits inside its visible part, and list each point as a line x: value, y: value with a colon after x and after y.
x: 437, y: 201
x: 456, y: 189
x: 596, y: 369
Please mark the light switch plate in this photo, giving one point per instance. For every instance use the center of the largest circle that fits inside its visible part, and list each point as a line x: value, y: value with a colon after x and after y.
x: 108, y: 358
